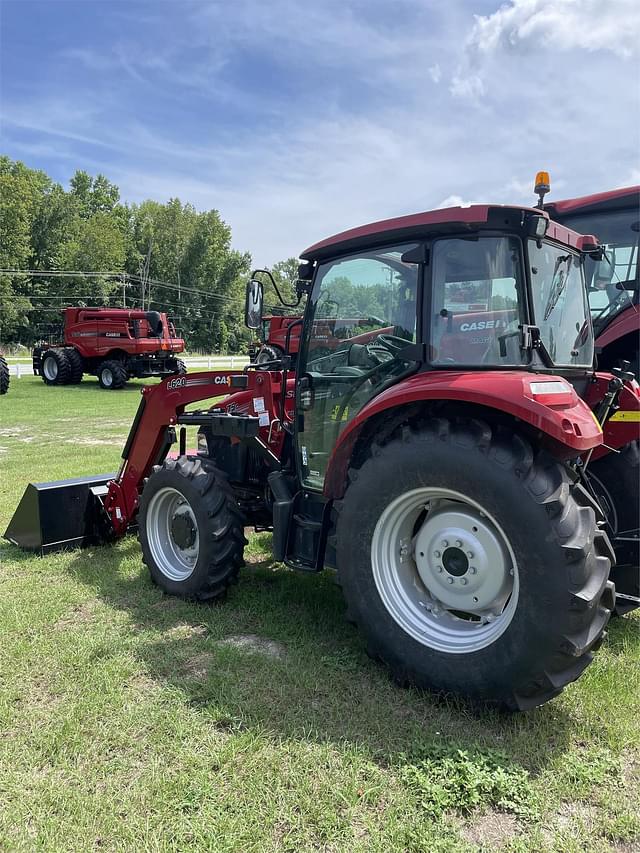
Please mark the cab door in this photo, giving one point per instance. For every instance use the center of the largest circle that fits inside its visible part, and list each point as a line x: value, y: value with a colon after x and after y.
x: 360, y: 322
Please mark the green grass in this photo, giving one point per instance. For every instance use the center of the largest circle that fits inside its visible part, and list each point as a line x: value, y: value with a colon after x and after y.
x: 128, y: 723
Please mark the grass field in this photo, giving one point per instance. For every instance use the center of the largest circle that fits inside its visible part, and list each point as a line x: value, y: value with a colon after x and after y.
x: 132, y: 721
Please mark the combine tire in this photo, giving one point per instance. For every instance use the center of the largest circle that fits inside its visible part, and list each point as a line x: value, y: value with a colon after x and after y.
x: 56, y: 369
x: 112, y: 375
x: 615, y: 479
x: 473, y: 565
x: 269, y: 352
x: 76, y: 366
x: 4, y: 376
x: 181, y: 367
x: 191, y: 530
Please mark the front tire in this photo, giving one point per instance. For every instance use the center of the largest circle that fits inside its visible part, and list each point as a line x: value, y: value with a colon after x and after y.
x: 424, y: 511
x: 76, y: 366
x: 4, y: 376
x: 55, y: 367
x: 191, y: 530
x: 615, y: 480
x: 112, y: 375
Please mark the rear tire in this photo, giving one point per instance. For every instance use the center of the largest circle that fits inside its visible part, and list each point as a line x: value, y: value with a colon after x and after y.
x: 181, y: 367
x: 76, y: 366
x: 615, y: 479
x: 112, y: 375
x: 4, y: 376
x: 191, y: 530
x: 55, y: 367
x: 542, y: 564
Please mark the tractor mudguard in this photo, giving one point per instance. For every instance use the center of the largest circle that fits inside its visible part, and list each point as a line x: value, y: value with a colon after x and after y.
x: 626, y: 323
x: 557, y: 411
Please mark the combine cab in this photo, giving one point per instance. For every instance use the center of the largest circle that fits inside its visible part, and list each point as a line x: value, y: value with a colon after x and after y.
x: 439, y: 460
x: 114, y: 344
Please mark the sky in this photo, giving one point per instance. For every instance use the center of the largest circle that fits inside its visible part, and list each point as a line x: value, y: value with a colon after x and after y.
x: 297, y: 120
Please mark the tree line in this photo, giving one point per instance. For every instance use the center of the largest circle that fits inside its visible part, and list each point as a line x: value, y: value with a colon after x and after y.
x: 167, y: 257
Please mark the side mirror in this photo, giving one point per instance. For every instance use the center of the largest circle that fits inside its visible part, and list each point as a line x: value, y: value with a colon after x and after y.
x: 305, y: 277
x: 253, y: 304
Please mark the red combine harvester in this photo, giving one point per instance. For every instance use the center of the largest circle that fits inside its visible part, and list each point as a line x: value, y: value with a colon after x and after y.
x: 4, y: 375
x: 446, y: 478
x: 114, y: 344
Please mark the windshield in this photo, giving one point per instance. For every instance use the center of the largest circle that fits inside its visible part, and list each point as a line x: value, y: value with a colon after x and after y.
x: 610, y: 281
x: 362, y: 320
x: 559, y: 304
x: 477, y: 303
x: 358, y: 299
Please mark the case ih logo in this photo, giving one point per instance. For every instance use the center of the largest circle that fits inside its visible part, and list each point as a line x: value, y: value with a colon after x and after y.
x: 222, y: 380
x: 178, y: 382
x: 483, y: 324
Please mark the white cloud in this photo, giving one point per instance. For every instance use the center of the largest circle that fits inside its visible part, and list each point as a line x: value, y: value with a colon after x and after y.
x: 367, y: 135
x: 453, y: 201
x: 469, y: 86
x: 562, y: 25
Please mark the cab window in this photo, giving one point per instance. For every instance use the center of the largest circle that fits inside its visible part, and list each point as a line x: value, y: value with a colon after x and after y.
x: 477, y: 302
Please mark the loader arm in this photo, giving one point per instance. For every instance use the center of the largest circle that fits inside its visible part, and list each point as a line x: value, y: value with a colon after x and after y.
x: 162, y: 408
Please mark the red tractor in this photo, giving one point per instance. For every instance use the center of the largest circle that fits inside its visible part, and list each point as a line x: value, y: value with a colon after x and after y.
x: 114, y: 344
x: 280, y: 334
x: 614, y: 299
x: 4, y: 375
x: 443, y: 472
x: 613, y: 283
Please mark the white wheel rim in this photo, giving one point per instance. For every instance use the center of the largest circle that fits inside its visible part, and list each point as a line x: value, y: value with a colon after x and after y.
x: 107, y: 377
x: 445, y: 570
x: 172, y: 534
x: 50, y: 368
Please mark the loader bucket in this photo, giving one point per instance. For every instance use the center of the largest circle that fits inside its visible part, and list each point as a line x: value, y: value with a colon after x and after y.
x: 61, y: 514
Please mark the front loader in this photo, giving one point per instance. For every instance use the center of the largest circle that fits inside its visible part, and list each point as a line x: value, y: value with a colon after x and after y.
x: 440, y: 465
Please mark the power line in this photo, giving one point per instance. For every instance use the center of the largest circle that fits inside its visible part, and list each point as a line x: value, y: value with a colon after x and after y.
x: 131, y: 276
x: 195, y: 311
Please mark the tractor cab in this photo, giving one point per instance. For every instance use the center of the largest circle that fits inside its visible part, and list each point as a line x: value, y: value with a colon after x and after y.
x: 461, y: 290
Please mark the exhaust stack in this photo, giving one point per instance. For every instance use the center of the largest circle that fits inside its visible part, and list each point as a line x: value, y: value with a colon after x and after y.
x: 61, y: 514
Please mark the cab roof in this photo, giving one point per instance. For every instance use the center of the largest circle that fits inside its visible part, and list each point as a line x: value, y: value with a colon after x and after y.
x: 449, y: 219
x: 596, y: 202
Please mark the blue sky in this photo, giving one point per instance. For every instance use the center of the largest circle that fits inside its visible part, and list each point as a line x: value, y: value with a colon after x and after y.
x: 299, y: 119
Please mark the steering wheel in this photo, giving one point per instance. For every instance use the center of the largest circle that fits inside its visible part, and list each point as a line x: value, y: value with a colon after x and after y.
x: 393, y: 343
x: 385, y: 348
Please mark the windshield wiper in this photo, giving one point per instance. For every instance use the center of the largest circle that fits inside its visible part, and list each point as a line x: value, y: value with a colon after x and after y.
x: 555, y: 294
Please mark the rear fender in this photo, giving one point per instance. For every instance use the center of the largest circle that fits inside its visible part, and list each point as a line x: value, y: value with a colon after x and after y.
x: 562, y: 416
x: 626, y: 323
